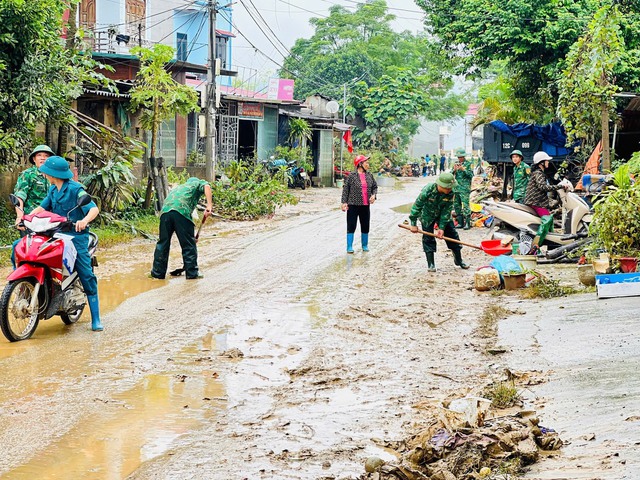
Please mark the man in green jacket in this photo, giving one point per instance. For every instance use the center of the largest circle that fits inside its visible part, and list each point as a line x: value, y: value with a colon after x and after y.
x: 433, y: 206
x: 521, y: 172
x: 463, y: 173
x: 176, y: 217
x: 31, y: 188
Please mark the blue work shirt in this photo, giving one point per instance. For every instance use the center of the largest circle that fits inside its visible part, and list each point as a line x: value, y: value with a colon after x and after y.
x: 62, y: 201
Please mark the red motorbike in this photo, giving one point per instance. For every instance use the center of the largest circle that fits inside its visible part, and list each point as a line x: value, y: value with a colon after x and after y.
x: 44, y: 283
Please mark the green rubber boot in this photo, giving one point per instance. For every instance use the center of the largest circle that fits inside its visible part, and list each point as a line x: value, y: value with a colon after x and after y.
x: 431, y: 261
x: 457, y: 259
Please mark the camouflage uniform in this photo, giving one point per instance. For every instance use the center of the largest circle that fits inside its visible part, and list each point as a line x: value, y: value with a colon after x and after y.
x: 176, y: 217
x: 521, y: 174
x: 433, y: 207
x: 462, y: 191
x: 32, y: 188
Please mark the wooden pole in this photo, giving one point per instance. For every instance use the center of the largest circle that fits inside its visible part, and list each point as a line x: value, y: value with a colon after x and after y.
x: 606, y: 153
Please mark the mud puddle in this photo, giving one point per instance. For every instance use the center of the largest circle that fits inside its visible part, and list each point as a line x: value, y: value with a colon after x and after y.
x: 406, y: 208
x: 136, y: 425
x: 112, y: 290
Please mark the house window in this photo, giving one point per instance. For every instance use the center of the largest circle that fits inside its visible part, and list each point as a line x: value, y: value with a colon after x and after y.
x: 221, y: 51
x: 181, y: 44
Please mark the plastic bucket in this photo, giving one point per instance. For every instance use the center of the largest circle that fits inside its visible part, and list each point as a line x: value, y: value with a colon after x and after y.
x: 528, y: 262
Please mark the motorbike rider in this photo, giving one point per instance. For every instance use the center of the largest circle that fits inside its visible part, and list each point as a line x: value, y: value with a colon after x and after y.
x: 433, y: 206
x: 538, y: 187
x: 358, y: 193
x: 61, y: 199
x: 521, y: 172
x: 30, y: 189
x: 463, y: 173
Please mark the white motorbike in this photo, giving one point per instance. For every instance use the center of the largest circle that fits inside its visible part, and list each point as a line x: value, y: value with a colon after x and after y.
x: 512, y: 218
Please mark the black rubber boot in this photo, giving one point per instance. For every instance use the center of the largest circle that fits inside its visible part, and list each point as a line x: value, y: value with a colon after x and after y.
x: 457, y: 259
x: 431, y: 261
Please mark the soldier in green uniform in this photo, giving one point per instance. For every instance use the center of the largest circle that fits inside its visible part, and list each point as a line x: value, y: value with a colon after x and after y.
x: 521, y: 172
x: 433, y: 206
x: 176, y: 217
x: 463, y: 173
x: 31, y: 188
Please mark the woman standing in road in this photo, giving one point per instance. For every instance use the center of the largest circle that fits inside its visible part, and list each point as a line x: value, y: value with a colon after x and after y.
x: 359, y: 192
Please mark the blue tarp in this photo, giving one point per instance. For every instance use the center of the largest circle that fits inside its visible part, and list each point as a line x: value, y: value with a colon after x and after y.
x: 552, y: 135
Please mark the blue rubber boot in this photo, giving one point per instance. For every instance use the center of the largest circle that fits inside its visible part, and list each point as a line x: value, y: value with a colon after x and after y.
x: 94, y: 307
x: 349, y: 242
x: 365, y: 242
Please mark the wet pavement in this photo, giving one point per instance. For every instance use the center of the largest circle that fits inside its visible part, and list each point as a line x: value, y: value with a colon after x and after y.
x: 291, y: 359
x: 591, y: 349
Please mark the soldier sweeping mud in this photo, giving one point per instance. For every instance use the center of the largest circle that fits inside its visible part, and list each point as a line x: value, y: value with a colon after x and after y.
x: 176, y: 217
x: 433, y: 206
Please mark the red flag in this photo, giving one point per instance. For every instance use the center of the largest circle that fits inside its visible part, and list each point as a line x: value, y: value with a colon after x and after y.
x: 347, y: 139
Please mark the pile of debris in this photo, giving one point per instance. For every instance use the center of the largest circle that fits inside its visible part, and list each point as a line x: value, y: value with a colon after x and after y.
x: 464, y: 444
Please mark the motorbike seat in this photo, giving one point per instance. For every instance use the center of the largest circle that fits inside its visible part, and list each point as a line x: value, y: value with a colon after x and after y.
x: 519, y: 206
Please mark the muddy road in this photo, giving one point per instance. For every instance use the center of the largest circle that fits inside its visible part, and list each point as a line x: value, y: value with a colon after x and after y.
x: 290, y: 359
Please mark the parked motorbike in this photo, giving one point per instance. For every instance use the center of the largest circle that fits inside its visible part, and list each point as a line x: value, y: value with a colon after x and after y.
x: 298, y: 177
x: 512, y: 218
x: 415, y: 170
x: 44, y: 283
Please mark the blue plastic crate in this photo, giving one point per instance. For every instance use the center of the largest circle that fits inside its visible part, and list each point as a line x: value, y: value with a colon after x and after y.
x: 618, y: 285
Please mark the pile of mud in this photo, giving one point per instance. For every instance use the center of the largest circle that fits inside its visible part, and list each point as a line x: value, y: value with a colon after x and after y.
x: 468, y: 439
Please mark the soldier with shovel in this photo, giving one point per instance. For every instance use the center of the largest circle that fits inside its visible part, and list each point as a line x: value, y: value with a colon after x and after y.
x: 176, y: 217
x: 433, y: 206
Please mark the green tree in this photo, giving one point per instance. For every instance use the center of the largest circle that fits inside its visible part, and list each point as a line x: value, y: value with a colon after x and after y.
x: 392, y: 108
x: 393, y: 70
x: 38, y: 77
x: 158, y: 97
x: 533, y: 37
x: 587, y: 85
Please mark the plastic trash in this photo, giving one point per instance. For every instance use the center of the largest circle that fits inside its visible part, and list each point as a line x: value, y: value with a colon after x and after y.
x: 504, y: 263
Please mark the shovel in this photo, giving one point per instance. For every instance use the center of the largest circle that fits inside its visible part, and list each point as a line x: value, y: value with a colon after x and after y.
x: 493, y: 250
x: 178, y: 271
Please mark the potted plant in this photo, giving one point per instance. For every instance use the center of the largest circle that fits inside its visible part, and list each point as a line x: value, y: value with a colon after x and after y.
x: 616, y: 219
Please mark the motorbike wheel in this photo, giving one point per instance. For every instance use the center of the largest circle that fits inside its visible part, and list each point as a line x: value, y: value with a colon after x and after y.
x: 70, y: 319
x: 17, y: 320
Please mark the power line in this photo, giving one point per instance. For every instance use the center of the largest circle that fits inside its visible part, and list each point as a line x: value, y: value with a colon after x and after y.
x: 262, y: 30
x: 142, y: 19
x: 267, y: 56
x: 319, y: 83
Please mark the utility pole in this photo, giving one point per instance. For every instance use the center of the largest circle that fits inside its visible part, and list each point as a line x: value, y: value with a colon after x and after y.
x: 210, y: 156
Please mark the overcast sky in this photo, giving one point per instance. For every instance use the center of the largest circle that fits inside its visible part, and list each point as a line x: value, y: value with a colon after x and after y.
x: 289, y: 20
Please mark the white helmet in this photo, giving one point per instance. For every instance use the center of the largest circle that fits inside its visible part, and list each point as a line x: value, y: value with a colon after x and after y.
x: 540, y: 157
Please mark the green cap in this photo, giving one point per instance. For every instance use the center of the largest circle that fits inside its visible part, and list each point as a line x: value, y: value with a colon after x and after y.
x: 516, y: 152
x: 446, y: 180
x: 460, y: 152
x: 40, y: 148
